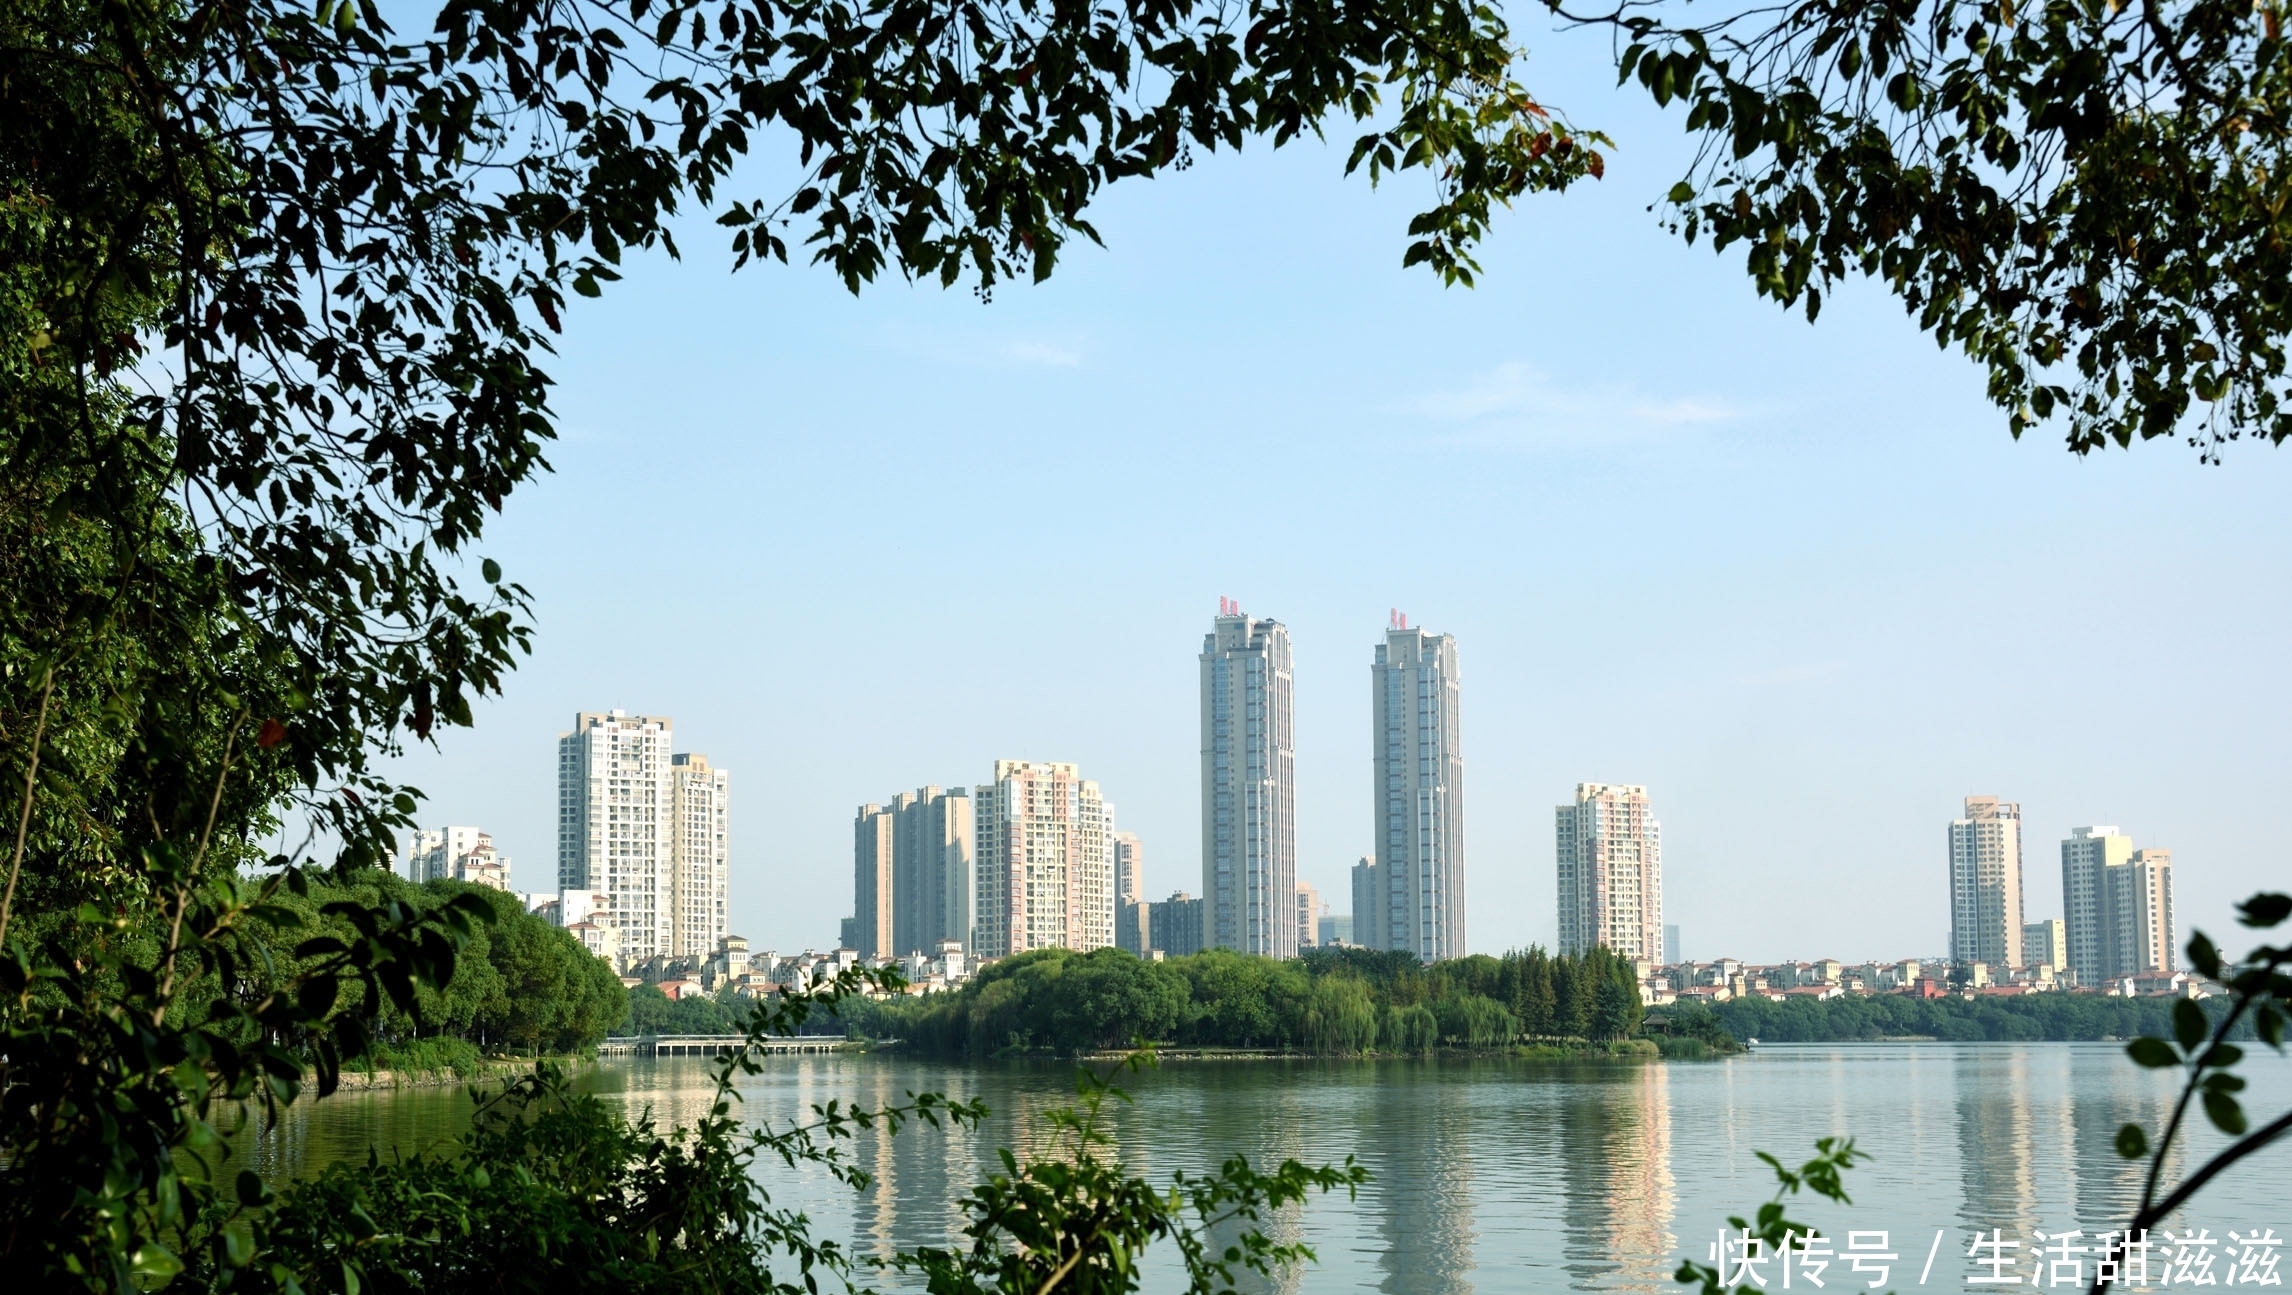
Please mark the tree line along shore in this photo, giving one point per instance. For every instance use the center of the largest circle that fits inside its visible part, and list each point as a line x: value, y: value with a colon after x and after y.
x: 522, y: 987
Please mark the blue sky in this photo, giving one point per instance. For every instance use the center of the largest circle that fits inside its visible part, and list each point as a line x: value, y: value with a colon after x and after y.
x: 1796, y: 579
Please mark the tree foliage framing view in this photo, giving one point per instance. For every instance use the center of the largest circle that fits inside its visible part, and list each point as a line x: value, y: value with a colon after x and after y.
x: 277, y: 288
x: 2086, y: 197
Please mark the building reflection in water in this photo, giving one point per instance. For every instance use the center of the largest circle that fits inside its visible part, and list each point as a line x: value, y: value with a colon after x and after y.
x: 1642, y: 1198
x: 1997, y: 1144
x: 1619, y: 1199
x: 1421, y: 1156
x: 2108, y: 1185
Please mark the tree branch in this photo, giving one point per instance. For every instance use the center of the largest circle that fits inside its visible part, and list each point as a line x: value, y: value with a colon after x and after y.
x: 24, y: 812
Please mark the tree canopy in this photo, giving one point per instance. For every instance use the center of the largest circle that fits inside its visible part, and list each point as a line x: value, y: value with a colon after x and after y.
x: 2085, y: 197
x: 1335, y: 1002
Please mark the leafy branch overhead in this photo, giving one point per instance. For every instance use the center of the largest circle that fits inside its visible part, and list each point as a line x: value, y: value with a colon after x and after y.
x: 295, y: 275
x: 2087, y: 197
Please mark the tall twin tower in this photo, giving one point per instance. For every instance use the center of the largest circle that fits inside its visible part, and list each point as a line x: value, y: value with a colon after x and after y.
x: 1409, y: 894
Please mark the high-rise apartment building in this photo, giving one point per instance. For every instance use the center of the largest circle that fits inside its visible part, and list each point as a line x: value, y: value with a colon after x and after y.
x: 1415, y: 884
x: 1610, y: 853
x: 2045, y: 943
x: 1131, y: 928
x: 2144, y: 909
x: 2118, y: 904
x: 875, y: 855
x: 1045, y: 867
x: 1671, y: 956
x: 1129, y: 864
x: 616, y: 828
x: 1174, y: 925
x: 1365, y: 882
x: 433, y: 853
x: 1309, y: 908
x: 2088, y: 856
x: 931, y: 870
x: 701, y: 851
x: 1985, y: 884
x: 1249, y: 787
x: 911, y: 873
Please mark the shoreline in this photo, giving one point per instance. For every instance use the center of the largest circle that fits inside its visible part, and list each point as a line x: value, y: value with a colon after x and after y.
x: 490, y: 1069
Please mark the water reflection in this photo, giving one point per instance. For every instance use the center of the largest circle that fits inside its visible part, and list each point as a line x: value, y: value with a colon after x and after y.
x: 1419, y: 1145
x: 1490, y: 1177
x: 1997, y: 1143
x: 1641, y: 1192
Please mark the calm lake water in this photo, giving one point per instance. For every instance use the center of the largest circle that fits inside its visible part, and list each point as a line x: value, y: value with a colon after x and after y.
x: 1493, y: 1176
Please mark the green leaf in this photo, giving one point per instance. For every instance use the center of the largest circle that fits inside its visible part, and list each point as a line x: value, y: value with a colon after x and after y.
x: 153, y: 1266
x: 491, y: 570
x: 2189, y: 1025
x: 2132, y: 1143
x: 2203, y: 956
x: 2224, y: 1112
x: 2265, y: 910
x: 238, y: 1245
x: 318, y: 994
x: 251, y: 1189
x: 2269, y: 1024
x: 2154, y: 1053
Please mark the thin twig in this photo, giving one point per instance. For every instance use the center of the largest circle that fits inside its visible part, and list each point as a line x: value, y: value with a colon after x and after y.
x: 215, y: 802
x: 24, y: 811
x: 189, y: 879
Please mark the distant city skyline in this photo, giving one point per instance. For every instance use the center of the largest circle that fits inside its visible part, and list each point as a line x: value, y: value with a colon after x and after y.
x: 1775, y: 521
x: 2119, y: 906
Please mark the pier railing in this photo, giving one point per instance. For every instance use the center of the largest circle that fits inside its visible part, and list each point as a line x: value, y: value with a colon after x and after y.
x: 713, y: 1045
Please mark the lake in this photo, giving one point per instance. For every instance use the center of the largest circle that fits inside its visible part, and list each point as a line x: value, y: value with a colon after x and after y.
x: 1498, y: 1176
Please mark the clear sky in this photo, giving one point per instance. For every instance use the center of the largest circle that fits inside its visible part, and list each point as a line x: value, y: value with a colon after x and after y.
x: 1797, y: 580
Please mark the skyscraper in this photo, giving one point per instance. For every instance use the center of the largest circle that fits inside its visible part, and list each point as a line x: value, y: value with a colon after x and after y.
x: 1249, y: 787
x: 2045, y: 943
x: 2118, y: 904
x: 1610, y: 853
x: 1131, y: 929
x: 701, y: 852
x: 1985, y: 884
x: 1045, y: 872
x: 2144, y: 907
x: 615, y: 823
x: 911, y: 872
x: 1365, y: 884
x: 875, y: 853
x: 1416, y: 876
x: 931, y: 869
x: 1309, y: 908
x: 2088, y: 856
x: 1174, y: 925
x: 1129, y: 864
